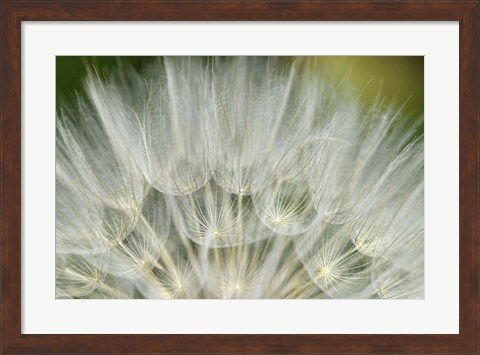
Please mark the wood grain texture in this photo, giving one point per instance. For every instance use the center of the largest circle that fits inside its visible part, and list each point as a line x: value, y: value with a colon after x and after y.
x: 13, y: 12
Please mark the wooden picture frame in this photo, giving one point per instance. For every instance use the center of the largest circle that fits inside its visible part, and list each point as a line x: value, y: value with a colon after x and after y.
x: 14, y: 12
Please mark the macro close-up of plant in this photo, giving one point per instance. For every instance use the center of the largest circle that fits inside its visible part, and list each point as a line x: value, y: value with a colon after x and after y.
x: 237, y: 177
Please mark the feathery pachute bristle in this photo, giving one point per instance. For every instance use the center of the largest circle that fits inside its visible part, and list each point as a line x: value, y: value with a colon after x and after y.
x: 236, y: 177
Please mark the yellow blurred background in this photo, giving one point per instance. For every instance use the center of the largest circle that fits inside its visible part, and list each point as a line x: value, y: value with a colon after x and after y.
x: 396, y: 79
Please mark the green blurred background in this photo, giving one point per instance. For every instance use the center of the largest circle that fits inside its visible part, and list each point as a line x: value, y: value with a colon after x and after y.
x: 397, y: 79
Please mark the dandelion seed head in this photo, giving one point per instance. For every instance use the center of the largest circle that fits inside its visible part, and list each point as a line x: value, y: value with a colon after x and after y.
x: 236, y: 177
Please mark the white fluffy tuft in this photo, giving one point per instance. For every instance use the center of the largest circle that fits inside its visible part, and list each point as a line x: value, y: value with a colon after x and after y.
x: 241, y: 177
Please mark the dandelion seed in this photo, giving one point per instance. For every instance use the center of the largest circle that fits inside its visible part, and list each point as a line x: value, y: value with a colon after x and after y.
x: 286, y: 207
x: 216, y: 218
x: 78, y: 277
x: 334, y: 263
x: 402, y: 277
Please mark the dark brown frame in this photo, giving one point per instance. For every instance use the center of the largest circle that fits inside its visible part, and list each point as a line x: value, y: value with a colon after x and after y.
x: 14, y: 12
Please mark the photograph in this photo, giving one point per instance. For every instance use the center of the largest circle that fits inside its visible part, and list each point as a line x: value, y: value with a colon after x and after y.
x: 239, y: 177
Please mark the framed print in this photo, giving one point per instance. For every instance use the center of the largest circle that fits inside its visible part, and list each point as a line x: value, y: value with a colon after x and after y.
x: 260, y: 177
